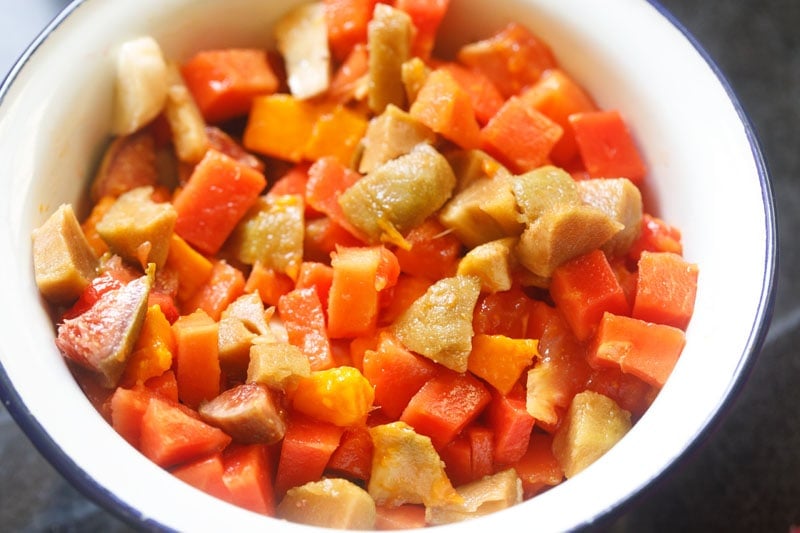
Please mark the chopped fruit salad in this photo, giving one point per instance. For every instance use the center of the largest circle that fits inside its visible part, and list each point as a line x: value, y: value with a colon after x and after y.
x: 348, y: 281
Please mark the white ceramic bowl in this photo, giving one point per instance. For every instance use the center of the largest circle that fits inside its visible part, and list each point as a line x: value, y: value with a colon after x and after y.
x: 706, y: 173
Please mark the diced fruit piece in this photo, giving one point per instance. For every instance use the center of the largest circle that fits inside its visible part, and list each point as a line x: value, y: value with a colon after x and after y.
x: 277, y: 365
x: 504, y: 313
x: 583, y: 289
x: 560, y: 372
x: 171, y: 436
x: 500, y: 360
x: 223, y: 286
x: 63, y: 262
x: 247, y: 475
x: 302, y: 39
x: 396, y: 374
x: 193, y: 268
x: 235, y: 341
x: 438, y: 325
x: 445, y: 405
x: 446, y: 108
x: 666, y: 289
x: 484, y: 210
x: 140, y: 84
x: 328, y: 178
x: 353, y: 458
x: 389, y: 135
x: 128, y: 162
x: 102, y: 338
x: 558, y: 96
x: 389, y: 35
x: 268, y: 284
x: 127, y: 409
x: 493, y: 262
x: 511, y: 425
x: 655, y: 235
x: 224, y: 82
x: 138, y: 229
x: 249, y: 309
x: 304, y: 319
x: 359, y: 276
x: 336, y: 134
x: 538, y: 468
x: 426, y: 16
x: 399, y: 194
x: 185, y: 119
x: 307, y: 447
x: 272, y: 233
x: 216, y: 197
x: 153, y: 351
x: 544, y: 190
x: 333, y: 502
x: 513, y: 58
x: 248, y: 413
x: 648, y: 351
x: 206, y: 474
x: 433, y: 252
x: 593, y: 425
x: 560, y: 235
x: 407, y: 469
x: 486, y: 99
x: 520, y: 136
x: 480, y: 498
x: 197, y: 358
x: 340, y: 395
x: 607, y: 147
x: 407, y: 290
x: 620, y: 199
x: 279, y: 125
x: 346, y: 21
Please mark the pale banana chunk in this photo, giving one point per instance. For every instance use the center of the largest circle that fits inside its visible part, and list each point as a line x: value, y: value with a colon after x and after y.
x: 593, y: 424
x: 63, y: 261
x: 399, y: 195
x: 141, y: 84
x: 407, y: 469
x: 545, y: 189
x: 620, y: 199
x: 438, y: 324
x: 482, y: 497
x: 563, y: 234
x: 492, y: 262
x: 302, y: 39
x: 483, y: 211
x: 332, y: 502
x: 389, y: 135
x: 278, y: 365
x: 389, y: 36
x: 185, y: 120
x: 138, y: 229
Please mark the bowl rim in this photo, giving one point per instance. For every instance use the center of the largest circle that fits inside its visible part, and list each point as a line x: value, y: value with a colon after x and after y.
x: 94, y: 491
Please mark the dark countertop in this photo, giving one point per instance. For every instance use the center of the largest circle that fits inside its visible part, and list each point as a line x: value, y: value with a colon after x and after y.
x: 745, y: 475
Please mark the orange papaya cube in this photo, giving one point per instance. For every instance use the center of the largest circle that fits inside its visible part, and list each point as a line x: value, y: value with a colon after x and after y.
x: 520, y: 136
x: 224, y: 82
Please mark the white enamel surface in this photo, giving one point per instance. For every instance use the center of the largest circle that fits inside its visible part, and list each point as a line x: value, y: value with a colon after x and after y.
x: 55, y: 117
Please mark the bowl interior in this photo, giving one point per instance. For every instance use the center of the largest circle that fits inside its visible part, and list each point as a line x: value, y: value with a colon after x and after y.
x: 706, y: 177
